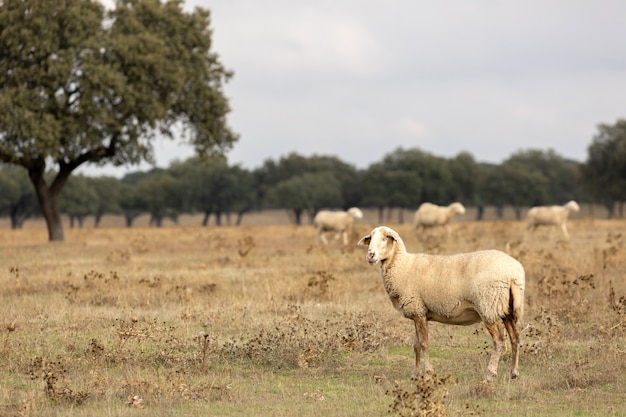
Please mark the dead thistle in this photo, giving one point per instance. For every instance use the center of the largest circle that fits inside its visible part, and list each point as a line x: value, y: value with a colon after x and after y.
x: 425, y: 400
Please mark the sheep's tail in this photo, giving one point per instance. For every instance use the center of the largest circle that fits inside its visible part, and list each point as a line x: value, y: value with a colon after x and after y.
x: 516, y: 299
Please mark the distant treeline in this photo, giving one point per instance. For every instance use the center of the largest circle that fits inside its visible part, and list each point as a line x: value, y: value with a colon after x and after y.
x: 403, y: 179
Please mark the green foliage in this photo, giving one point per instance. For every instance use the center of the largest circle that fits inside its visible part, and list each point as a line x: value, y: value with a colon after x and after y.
x: 108, y: 195
x: 433, y: 171
x: 306, y: 192
x: 302, y: 184
x: 160, y: 194
x: 391, y: 187
x: 212, y: 186
x: 79, y: 199
x: 604, y: 172
x: 17, y: 199
x: 465, y: 171
x: 556, y: 178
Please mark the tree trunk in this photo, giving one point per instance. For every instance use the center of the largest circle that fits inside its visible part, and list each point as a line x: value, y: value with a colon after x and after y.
x: 611, y: 209
x: 205, y: 219
x: 156, y: 220
x: 53, y: 218
x: 218, y: 218
x: 17, y: 219
x: 297, y: 213
x: 47, y: 198
x: 16, y: 222
x: 480, y: 213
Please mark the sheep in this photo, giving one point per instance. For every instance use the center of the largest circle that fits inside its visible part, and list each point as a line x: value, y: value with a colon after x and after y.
x: 432, y: 215
x: 459, y: 289
x: 550, y: 216
x: 339, y: 222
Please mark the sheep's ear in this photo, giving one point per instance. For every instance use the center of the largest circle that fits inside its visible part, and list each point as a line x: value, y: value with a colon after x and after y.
x: 392, y: 234
x: 365, y: 240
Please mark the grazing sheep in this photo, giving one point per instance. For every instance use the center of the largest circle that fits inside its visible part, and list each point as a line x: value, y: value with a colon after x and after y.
x: 339, y: 222
x: 432, y: 215
x: 550, y: 216
x: 460, y: 289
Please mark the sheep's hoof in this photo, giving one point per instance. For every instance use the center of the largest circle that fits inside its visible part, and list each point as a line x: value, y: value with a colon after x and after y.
x: 514, y: 375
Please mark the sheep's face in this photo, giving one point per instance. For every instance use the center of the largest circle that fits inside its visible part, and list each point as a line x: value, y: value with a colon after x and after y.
x: 572, y: 206
x: 379, y: 244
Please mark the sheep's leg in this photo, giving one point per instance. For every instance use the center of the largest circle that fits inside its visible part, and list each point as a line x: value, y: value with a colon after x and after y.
x: 322, y: 237
x: 345, y: 238
x: 564, y: 230
x: 498, y: 343
x: 421, y: 343
x: 511, y: 328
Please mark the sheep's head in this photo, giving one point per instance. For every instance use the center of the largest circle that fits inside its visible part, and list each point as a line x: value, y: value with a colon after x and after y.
x: 457, y: 208
x: 356, y: 212
x: 572, y: 206
x: 380, y: 244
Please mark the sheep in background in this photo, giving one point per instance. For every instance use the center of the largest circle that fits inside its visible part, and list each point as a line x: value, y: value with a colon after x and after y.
x: 550, y: 216
x: 432, y: 215
x: 339, y: 222
x: 459, y: 289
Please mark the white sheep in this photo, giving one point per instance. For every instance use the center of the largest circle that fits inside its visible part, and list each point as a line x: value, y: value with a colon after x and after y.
x: 550, y: 216
x: 339, y: 222
x: 460, y: 289
x: 432, y: 215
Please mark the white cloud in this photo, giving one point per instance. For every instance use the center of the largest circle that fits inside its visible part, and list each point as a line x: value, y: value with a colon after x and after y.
x: 329, y: 46
x: 410, y: 127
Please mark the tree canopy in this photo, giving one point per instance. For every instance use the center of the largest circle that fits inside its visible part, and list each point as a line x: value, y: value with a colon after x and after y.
x: 604, y: 173
x: 78, y: 85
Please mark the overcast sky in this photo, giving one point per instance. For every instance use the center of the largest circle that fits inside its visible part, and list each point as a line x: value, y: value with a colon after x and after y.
x: 359, y: 78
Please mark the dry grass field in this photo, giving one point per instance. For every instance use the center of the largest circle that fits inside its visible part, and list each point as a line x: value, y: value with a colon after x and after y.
x: 260, y: 320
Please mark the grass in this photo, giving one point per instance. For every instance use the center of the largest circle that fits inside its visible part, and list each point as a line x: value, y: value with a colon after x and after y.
x: 261, y: 320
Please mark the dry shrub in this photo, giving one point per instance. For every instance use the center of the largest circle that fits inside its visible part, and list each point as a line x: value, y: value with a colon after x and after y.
x: 117, y: 256
x: 619, y: 307
x: 10, y: 328
x: 294, y: 341
x: 245, y: 245
x: 170, y: 387
x: 318, y: 285
x: 426, y: 397
x: 56, y: 385
x: 109, y: 289
x: 363, y: 334
x: 297, y: 341
x: 593, y: 366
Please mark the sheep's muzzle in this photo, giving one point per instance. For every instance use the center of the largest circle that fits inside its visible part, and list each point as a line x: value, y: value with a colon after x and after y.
x: 371, y: 257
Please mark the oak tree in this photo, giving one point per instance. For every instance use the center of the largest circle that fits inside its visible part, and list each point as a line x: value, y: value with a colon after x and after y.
x: 79, y: 85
